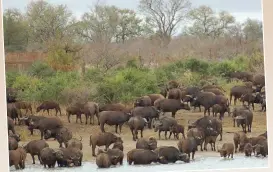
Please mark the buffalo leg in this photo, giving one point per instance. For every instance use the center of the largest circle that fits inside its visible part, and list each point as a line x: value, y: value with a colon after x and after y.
x: 86, y: 118
x: 173, y: 114
x: 205, y: 111
x: 252, y: 106
x: 33, y: 160
x: 165, y: 135
x: 209, y: 111
x: 159, y: 134
x: 16, y: 166
x: 60, y: 144
x: 48, y: 112
x: 205, y: 146
x: 102, y: 127
x: 116, y: 128
x: 68, y: 117
x: 170, y: 134
x: 80, y: 118
x: 93, y: 150
x: 133, y: 134
x: 120, y: 126
x: 193, y: 155
x: 77, y: 118
x: 141, y: 133
x: 136, y: 134
x: 199, y: 108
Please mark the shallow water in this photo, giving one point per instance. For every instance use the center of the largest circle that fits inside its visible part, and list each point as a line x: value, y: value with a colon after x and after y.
x: 198, y: 164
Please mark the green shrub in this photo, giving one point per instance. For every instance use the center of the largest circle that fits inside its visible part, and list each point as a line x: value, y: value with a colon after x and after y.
x: 196, y: 65
x: 126, y: 85
x: 11, y: 77
x: 40, y: 69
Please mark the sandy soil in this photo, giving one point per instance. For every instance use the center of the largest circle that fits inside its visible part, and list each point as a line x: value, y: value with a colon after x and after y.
x: 258, y: 127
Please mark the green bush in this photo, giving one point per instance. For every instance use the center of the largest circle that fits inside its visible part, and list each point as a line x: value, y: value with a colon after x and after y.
x: 11, y: 77
x: 196, y: 65
x: 126, y: 85
x: 40, y: 69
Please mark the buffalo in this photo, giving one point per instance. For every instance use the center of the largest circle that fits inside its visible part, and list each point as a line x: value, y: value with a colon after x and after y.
x: 258, y: 80
x: 17, y: 158
x: 75, y: 143
x: 261, y: 148
x: 23, y: 105
x: 208, y: 99
x: 175, y: 93
x: 143, y: 101
x: 118, y: 145
x: 163, y: 124
x: 238, y: 91
x: 103, y: 139
x: 68, y: 156
x: 148, y: 112
x: 62, y: 135
x: 217, y: 108
x: 103, y: 160
x: 13, y: 141
x: 248, y: 149
x: 243, y: 117
x: 48, y: 105
x: 34, y: 147
x: 171, y: 105
x: 216, y: 91
x: 31, y: 119
x: 154, y: 97
x: 251, y: 98
x: 136, y: 123
x: 48, y: 157
x: 149, y: 144
x: 74, y: 110
x: 187, y: 146
x: 171, y: 154
x: 112, y: 107
x: 10, y: 125
x: 176, y: 130
x: 46, y: 124
x: 208, y: 122
x: 116, y: 155
x: 142, y: 156
x: 117, y: 118
x: 13, y: 112
x: 227, y: 150
x: 90, y: 110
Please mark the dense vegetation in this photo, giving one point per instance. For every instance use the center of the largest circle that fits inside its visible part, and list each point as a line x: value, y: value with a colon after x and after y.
x: 40, y: 82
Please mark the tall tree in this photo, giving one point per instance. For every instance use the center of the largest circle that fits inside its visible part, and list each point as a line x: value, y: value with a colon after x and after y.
x: 253, y: 29
x: 48, y: 23
x: 15, y: 30
x: 129, y: 25
x: 165, y: 16
x: 207, y: 23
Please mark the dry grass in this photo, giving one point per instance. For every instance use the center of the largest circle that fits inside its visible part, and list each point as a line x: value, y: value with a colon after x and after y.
x: 258, y: 127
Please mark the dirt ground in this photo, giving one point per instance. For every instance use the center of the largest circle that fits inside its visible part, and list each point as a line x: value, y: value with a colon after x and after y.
x: 258, y: 127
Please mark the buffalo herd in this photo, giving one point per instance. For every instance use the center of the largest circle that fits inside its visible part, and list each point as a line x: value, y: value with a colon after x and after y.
x: 148, y: 112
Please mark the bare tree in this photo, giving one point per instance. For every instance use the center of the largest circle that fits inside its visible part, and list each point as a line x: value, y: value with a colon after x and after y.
x: 165, y: 15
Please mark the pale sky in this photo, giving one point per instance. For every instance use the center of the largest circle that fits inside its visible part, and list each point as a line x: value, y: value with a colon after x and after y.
x: 241, y: 9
